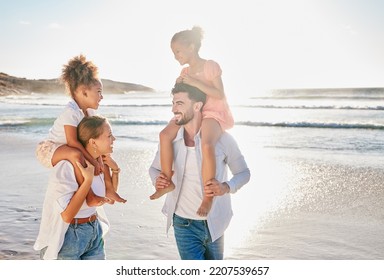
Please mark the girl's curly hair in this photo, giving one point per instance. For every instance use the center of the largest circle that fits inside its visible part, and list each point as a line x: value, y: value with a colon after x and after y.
x: 78, y: 71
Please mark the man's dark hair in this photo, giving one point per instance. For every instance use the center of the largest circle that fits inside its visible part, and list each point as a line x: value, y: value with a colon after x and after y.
x: 193, y: 92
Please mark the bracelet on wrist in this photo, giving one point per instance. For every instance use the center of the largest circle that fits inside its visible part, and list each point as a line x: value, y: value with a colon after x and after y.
x: 115, y: 170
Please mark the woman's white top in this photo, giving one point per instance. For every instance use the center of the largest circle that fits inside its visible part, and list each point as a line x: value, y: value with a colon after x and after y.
x: 61, y: 187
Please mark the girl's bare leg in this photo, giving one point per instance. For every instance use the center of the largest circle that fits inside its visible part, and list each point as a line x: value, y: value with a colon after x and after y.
x: 210, y: 134
x: 166, y: 156
x: 110, y: 191
x: 73, y: 155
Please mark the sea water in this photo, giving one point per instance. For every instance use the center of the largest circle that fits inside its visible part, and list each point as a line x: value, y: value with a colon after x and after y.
x: 315, y: 122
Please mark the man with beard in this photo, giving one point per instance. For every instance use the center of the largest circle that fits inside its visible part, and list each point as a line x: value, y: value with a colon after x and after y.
x: 197, y: 237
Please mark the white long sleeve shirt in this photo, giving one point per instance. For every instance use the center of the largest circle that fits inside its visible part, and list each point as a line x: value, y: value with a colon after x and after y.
x: 229, y: 155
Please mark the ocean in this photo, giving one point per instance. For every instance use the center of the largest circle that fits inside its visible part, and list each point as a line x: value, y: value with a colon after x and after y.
x: 337, y: 122
x: 316, y: 159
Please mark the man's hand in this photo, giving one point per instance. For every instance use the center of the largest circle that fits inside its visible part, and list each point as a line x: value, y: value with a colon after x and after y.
x: 162, y: 182
x: 215, y: 188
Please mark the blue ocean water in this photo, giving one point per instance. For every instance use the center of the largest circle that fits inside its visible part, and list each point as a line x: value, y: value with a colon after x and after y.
x: 321, y: 122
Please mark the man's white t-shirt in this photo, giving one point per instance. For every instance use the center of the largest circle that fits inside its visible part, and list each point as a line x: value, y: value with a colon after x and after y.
x: 191, y: 194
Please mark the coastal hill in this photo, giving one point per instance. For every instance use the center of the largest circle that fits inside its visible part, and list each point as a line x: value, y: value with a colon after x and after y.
x: 16, y: 86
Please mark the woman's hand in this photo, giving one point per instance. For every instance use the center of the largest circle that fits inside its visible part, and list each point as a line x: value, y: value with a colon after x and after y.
x: 87, y: 172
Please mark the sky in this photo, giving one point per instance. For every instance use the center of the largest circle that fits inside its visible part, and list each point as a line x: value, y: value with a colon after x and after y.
x: 259, y: 44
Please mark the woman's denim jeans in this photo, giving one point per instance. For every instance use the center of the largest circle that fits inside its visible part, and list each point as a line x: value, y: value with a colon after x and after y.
x: 194, y: 241
x: 82, y: 242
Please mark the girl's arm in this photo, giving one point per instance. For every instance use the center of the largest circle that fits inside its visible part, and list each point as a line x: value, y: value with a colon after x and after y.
x: 79, y: 196
x: 214, y: 91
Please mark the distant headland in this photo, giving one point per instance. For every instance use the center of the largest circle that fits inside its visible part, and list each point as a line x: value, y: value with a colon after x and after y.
x: 10, y: 85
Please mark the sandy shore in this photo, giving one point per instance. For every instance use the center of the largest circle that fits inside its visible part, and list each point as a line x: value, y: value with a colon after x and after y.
x: 137, y: 227
x: 293, y: 208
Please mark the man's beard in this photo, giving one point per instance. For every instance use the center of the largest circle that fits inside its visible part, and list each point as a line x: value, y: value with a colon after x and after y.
x: 184, y: 118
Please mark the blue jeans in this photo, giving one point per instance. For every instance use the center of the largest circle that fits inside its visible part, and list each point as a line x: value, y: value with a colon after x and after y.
x: 83, y: 242
x: 194, y: 241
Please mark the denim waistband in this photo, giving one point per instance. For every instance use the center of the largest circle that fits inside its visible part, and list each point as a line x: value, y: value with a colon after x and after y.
x: 191, y: 220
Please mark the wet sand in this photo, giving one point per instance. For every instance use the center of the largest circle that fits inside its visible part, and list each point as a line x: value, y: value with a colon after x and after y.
x: 293, y: 208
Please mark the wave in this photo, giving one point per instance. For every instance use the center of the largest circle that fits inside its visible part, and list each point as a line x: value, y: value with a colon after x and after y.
x: 305, y: 102
x: 256, y: 106
x: 26, y: 122
x: 301, y: 107
x: 55, y: 103
x: 314, y: 107
x: 313, y: 125
x: 321, y: 96
x: 136, y: 138
x: 135, y: 122
x: 328, y: 93
x: 136, y: 105
x: 49, y: 121
x: 265, y: 124
x: 42, y: 122
x: 287, y: 106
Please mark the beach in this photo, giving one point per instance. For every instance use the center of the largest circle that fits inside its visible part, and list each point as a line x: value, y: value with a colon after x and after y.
x: 137, y: 227
x: 294, y: 207
x: 315, y: 191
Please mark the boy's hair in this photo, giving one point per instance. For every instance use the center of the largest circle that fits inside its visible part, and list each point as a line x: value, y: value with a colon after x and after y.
x: 78, y: 71
x: 90, y: 127
x: 190, y: 36
x: 194, y: 93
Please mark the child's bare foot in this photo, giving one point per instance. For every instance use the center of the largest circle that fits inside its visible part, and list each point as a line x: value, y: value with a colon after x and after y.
x: 94, y: 200
x: 114, y: 196
x: 205, y: 206
x: 160, y: 192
